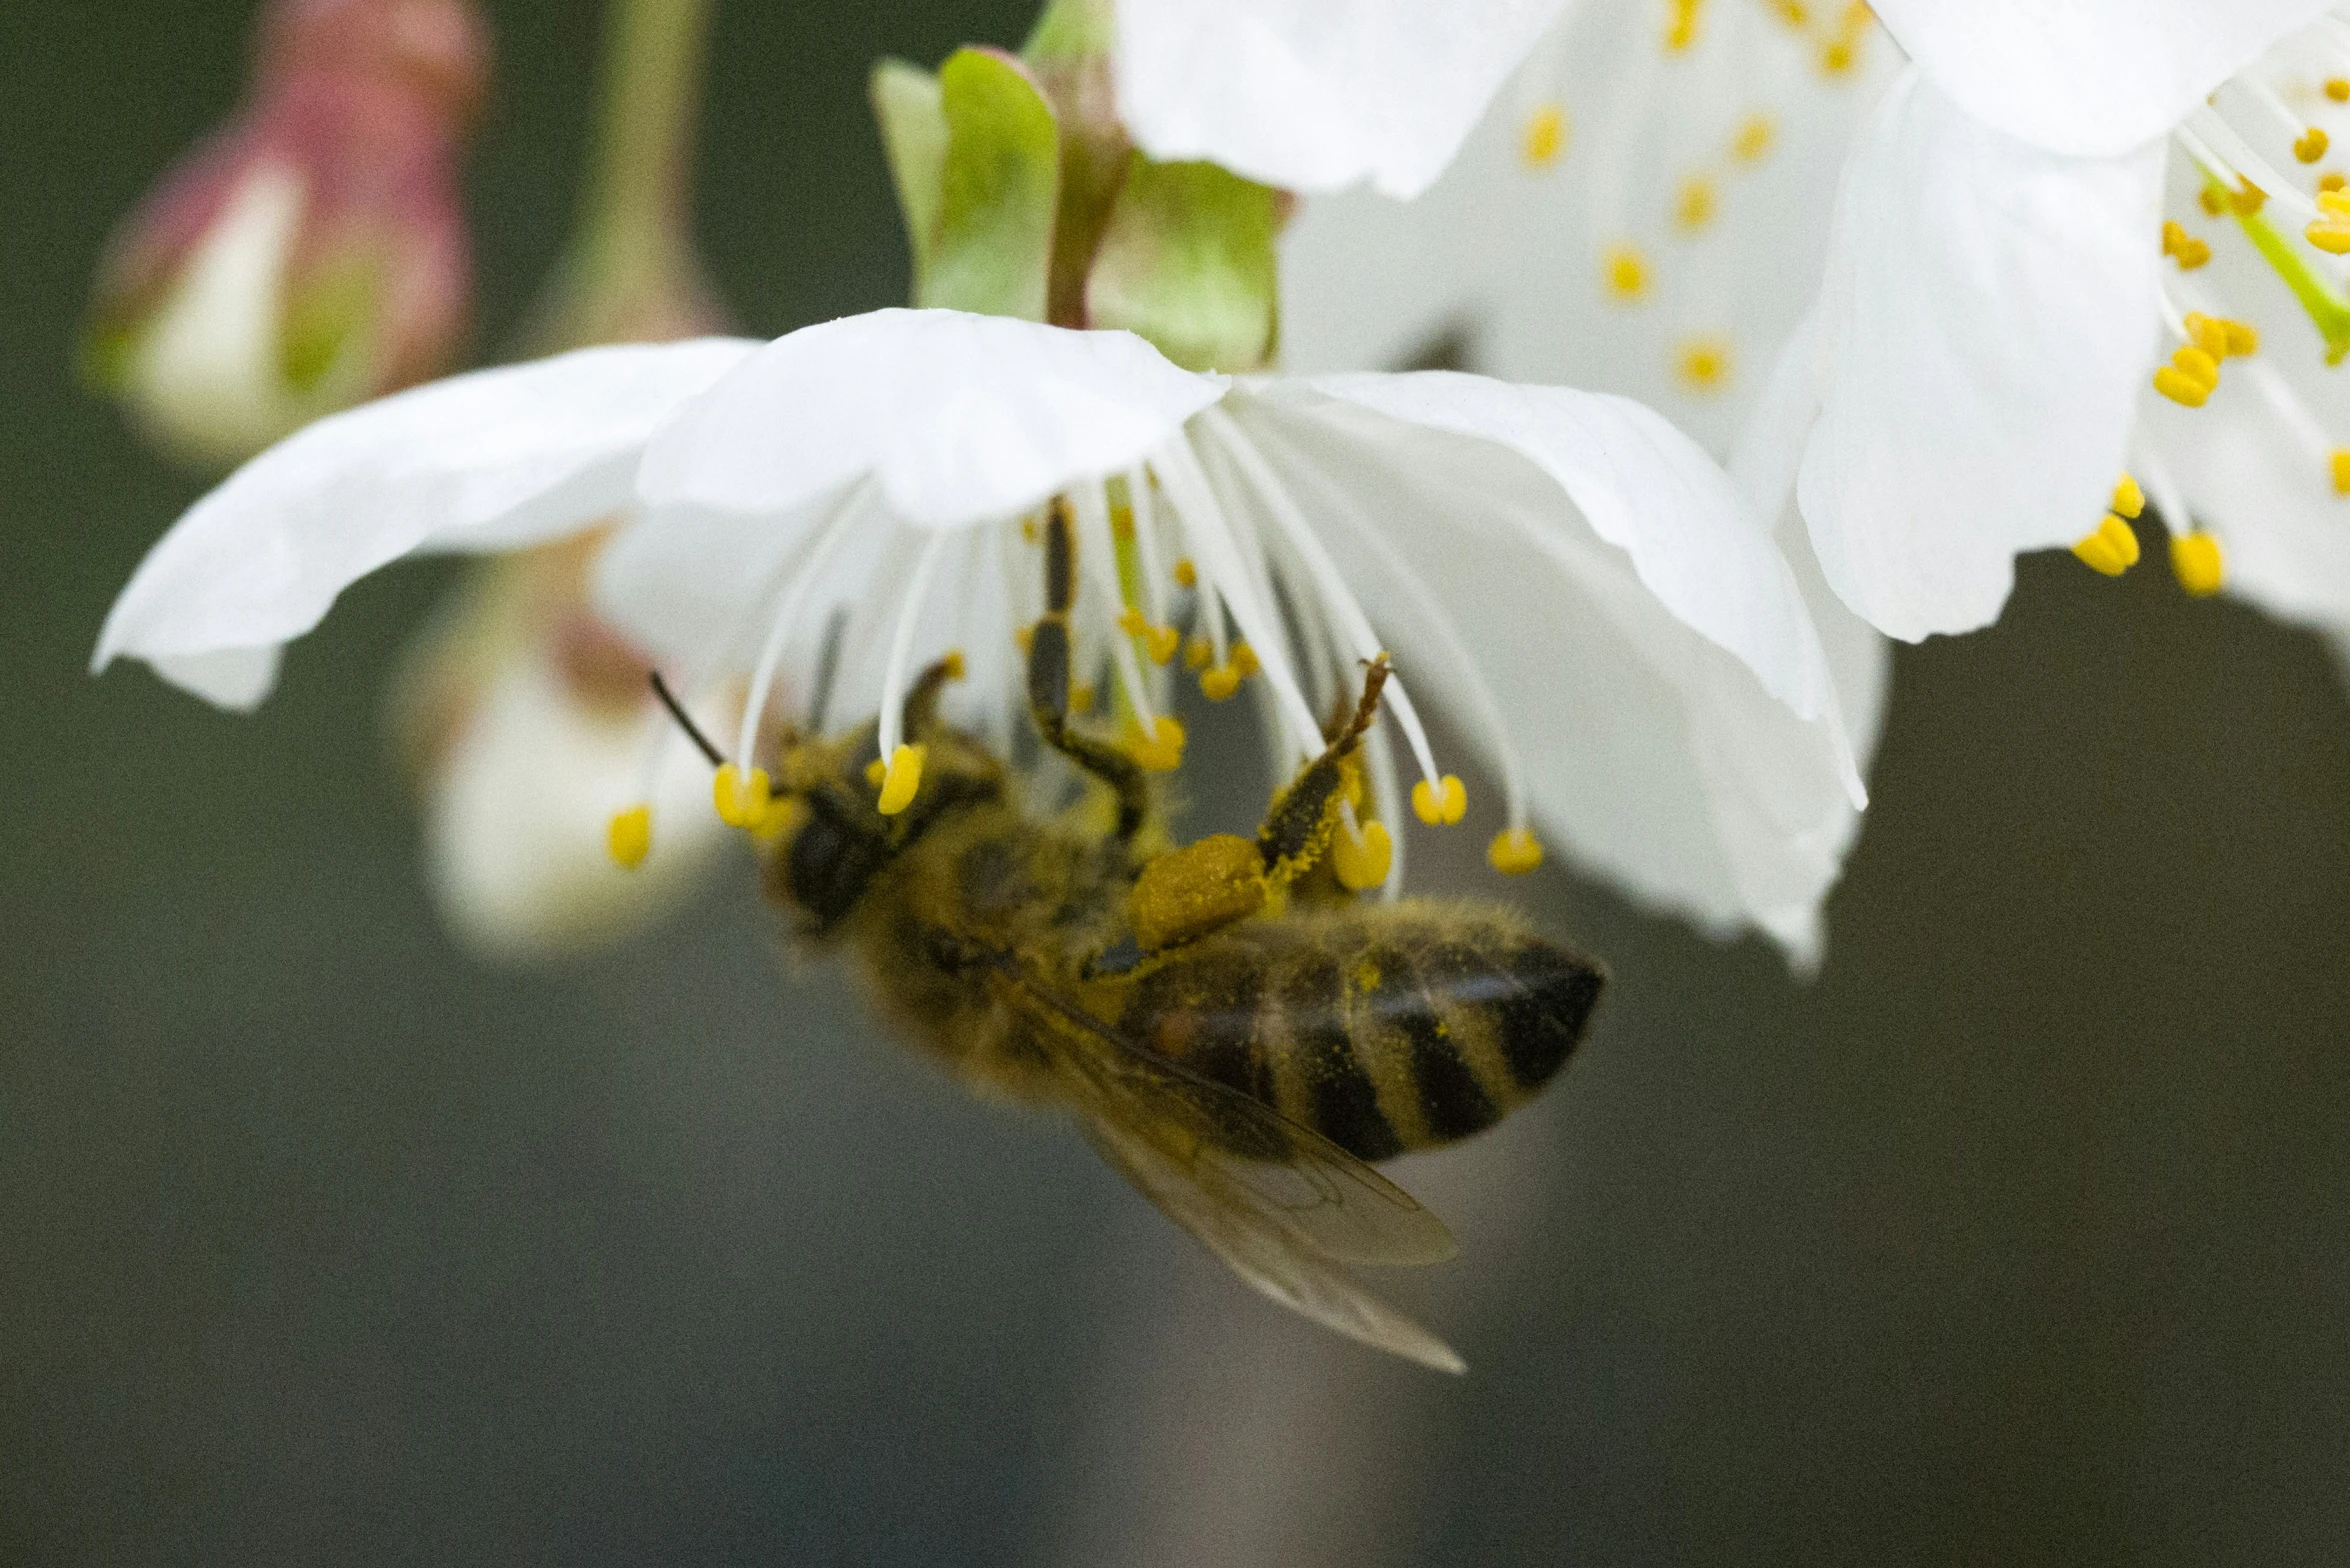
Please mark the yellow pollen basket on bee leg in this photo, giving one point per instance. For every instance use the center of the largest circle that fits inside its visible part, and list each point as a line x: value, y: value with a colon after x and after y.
x: 900, y: 779
x: 628, y: 838
x: 2196, y: 561
x: 1436, y: 804
x: 1362, y: 862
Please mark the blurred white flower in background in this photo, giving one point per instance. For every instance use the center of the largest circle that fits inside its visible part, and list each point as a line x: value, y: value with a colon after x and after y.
x: 1574, y: 582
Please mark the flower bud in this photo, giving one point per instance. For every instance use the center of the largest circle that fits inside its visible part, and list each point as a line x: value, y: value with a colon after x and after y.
x: 312, y: 254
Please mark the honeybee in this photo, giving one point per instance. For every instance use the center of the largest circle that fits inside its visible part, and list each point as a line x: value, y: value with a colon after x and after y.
x: 1237, y: 1053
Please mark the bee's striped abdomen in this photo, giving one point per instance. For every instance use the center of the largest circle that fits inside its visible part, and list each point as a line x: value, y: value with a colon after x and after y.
x: 1383, y: 1029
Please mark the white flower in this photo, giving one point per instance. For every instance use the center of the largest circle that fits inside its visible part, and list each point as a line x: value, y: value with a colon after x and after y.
x: 1573, y: 582
x: 2039, y: 213
x: 1317, y: 94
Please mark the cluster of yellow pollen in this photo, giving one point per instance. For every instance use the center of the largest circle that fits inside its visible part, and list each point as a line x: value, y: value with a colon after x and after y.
x: 2113, y: 548
x: 2193, y: 372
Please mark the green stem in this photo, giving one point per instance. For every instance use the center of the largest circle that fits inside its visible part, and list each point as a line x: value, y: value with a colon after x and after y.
x: 640, y: 181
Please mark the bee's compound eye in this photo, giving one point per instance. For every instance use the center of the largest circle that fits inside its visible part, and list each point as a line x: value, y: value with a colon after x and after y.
x: 827, y: 868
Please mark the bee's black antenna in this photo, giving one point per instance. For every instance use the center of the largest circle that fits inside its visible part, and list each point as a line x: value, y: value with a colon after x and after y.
x: 827, y: 666
x: 693, y: 731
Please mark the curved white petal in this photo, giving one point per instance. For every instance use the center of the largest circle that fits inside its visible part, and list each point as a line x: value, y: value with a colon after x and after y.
x: 1645, y: 488
x: 957, y: 417
x: 2087, y: 77
x: 1987, y: 322
x: 488, y: 461
x: 1657, y: 755
x: 516, y: 814
x: 1317, y: 95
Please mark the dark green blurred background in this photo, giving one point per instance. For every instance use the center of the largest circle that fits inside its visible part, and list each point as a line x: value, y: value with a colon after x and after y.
x: 2018, y: 1237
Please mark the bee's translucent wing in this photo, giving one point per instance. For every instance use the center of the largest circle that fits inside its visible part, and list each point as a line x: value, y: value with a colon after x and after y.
x: 1263, y: 1248
x: 1246, y: 1152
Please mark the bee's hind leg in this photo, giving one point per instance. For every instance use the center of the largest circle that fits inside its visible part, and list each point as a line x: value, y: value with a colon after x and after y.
x: 1304, y: 814
x: 1048, y: 682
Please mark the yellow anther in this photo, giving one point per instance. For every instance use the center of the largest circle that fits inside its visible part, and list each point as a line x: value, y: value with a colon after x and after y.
x: 1028, y: 529
x: 1445, y: 801
x: 1186, y: 574
x: 1023, y: 637
x: 1362, y: 863
x: 739, y: 800
x: 2111, y: 550
x: 2338, y: 88
x: 1703, y: 364
x: 2243, y: 337
x: 1161, y: 751
x: 2196, y: 561
x: 2208, y: 335
x: 1697, y: 203
x: 1681, y: 32
x: 1131, y: 622
x: 1836, y: 58
x: 1197, y: 653
x: 2330, y: 230
x: 629, y: 836
x: 1793, y: 12
x: 2190, y: 378
x: 2312, y: 145
x: 876, y: 771
x: 1244, y: 659
x: 1219, y: 683
x: 2247, y: 199
x: 902, y: 778
x: 2329, y: 183
x: 1080, y: 696
x: 1753, y: 140
x: 2215, y: 202
x: 2128, y: 499
x: 1544, y: 136
x: 1514, y: 852
x: 1625, y: 272
x: 2341, y: 467
x: 1163, y: 641
x: 2183, y: 247
x: 956, y: 668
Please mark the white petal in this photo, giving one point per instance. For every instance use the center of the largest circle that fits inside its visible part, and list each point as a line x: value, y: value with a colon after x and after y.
x: 958, y: 417
x: 488, y: 461
x: 234, y: 678
x: 1988, y: 320
x: 1654, y: 754
x: 1318, y: 95
x: 515, y: 820
x: 2088, y: 77
x: 1644, y: 487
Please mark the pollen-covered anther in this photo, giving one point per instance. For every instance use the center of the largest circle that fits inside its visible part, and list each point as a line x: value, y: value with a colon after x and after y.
x: 2341, y: 471
x: 1198, y: 654
x: 1244, y: 659
x: 2338, y: 88
x: 2247, y: 199
x: 1447, y: 800
x: 1754, y: 137
x: 2312, y: 144
x: 1133, y: 623
x: 1703, y: 364
x: 2190, y: 378
x: 1161, y: 643
x: 1543, y: 137
x: 901, y: 779
x: 1160, y: 751
x: 2111, y: 550
x: 1624, y: 271
x: 2330, y: 181
x: 1681, y: 31
x: 2128, y: 499
x: 1218, y: 684
x: 628, y: 837
x: 1697, y: 204
x: 1186, y: 574
x: 2196, y: 561
x: 955, y: 665
x: 1514, y: 852
x: 741, y: 800
x: 2182, y: 247
x: 2329, y: 231
x: 1363, y: 857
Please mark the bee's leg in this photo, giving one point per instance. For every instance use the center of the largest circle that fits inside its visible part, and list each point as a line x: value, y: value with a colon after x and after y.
x: 921, y: 705
x: 1299, y: 823
x: 1048, y: 682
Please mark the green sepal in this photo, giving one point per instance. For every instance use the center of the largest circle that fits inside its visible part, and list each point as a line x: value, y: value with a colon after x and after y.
x: 1071, y: 32
x: 1187, y: 262
x: 914, y: 136
x: 999, y: 182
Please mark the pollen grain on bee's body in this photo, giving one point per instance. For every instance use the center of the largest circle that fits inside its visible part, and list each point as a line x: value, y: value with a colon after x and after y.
x: 1383, y: 1029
